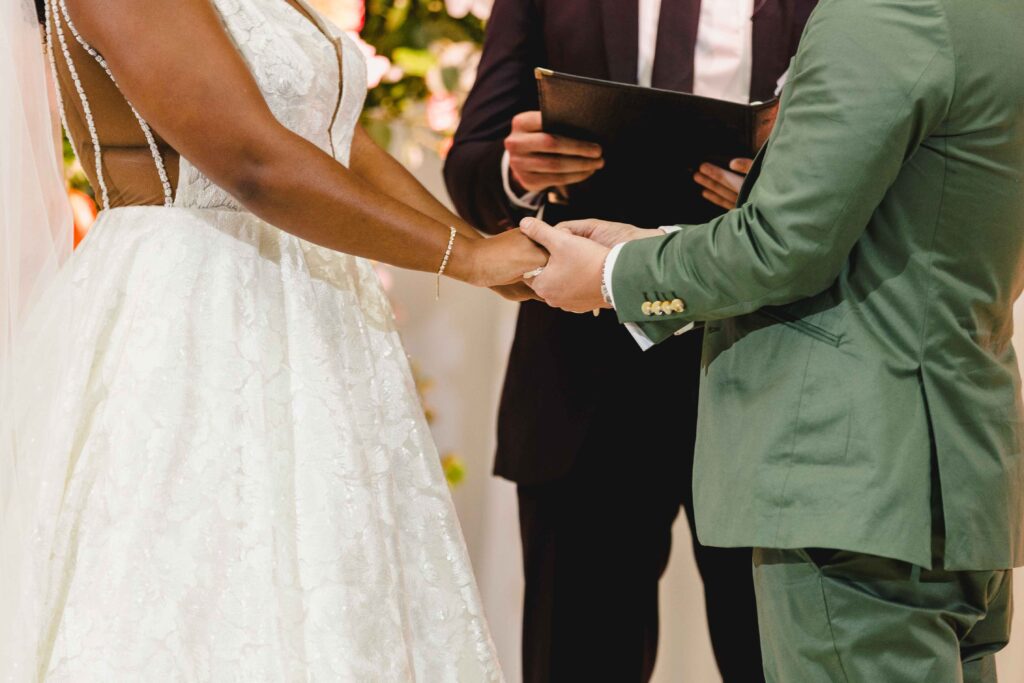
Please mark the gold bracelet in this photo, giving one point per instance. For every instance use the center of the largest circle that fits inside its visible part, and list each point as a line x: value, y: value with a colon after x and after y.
x: 444, y: 261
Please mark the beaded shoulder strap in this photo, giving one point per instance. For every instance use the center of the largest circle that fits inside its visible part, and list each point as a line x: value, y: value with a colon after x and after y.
x: 55, y: 10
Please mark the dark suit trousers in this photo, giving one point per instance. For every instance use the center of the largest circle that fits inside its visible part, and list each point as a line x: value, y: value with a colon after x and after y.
x: 597, y: 541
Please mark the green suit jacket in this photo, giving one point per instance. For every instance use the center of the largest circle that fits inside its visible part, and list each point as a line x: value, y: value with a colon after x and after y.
x: 859, y: 300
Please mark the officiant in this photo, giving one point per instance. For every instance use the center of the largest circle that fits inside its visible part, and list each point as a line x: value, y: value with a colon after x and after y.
x: 598, y: 496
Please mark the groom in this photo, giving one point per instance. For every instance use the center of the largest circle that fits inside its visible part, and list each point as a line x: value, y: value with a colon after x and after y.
x: 861, y: 420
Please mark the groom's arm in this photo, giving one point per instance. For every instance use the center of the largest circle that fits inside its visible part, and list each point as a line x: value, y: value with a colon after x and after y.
x: 871, y: 81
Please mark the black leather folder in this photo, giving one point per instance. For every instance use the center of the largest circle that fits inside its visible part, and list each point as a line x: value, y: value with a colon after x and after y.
x: 653, y: 140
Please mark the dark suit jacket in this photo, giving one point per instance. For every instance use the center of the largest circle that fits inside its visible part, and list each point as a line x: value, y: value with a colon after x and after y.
x: 563, y: 367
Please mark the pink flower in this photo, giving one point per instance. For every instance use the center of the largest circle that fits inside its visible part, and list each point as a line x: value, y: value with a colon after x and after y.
x: 348, y: 15
x: 377, y: 66
x: 445, y: 147
x: 481, y: 9
x: 442, y: 112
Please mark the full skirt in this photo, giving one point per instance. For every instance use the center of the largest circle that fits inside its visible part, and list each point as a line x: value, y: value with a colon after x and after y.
x: 247, y: 489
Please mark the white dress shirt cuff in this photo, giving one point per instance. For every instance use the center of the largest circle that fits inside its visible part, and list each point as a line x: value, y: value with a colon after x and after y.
x: 531, y: 201
x: 781, y: 83
x: 609, y: 267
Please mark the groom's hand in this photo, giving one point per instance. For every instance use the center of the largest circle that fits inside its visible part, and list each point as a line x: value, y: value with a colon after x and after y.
x: 539, y: 160
x: 571, y: 280
x: 607, y: 233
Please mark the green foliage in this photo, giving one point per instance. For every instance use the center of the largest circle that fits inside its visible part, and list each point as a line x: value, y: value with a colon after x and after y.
x: 454, y: 469
x: 73, y: 172
x: 403, y: 31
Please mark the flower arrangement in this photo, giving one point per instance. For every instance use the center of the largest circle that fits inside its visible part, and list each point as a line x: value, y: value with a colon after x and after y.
x: 454, y: 469
x: 422, y: 57
x: 80, y: 194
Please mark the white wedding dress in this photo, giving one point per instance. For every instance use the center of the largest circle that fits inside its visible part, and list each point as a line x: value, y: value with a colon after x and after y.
x: 247, y: 487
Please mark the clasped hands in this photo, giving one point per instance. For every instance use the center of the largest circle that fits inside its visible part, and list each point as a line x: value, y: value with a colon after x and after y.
x: 562, y: 265
x: 577, y: 250
x: 571, y: 280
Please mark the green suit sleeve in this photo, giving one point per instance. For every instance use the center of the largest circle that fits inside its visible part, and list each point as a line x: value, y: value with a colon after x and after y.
x: 871, y: 80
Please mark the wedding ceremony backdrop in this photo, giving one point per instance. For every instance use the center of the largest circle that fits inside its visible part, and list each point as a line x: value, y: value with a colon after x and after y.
x: 422, y: 57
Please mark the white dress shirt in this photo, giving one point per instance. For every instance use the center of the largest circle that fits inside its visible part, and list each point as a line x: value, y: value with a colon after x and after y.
x: 724, y: 54
x: 649, y: 13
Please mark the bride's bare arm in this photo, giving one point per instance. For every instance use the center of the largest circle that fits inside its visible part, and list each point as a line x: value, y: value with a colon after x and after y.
x: 386, y: 175
x: 176, y: 64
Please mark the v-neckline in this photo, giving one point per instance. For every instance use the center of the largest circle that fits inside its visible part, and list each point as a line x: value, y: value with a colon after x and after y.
x: 310, y: 16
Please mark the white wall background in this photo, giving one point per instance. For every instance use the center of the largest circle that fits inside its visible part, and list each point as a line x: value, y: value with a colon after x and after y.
x: 461, y: 342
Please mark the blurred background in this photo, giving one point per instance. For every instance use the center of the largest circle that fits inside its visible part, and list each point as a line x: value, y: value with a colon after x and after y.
x: 422, y: 57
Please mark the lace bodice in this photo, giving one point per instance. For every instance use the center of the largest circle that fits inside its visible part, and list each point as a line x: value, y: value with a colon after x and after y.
x: 296, y: 64
x: 311, y: 74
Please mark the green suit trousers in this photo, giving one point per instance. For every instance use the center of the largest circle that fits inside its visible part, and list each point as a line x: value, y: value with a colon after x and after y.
x: 831, y: 616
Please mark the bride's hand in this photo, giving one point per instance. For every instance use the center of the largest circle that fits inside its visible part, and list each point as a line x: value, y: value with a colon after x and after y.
x: 607, y: 233
x: 504, y: 259
x: 518, y: 292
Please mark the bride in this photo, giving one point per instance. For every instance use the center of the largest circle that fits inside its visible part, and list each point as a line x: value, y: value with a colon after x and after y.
x: 213, y: 461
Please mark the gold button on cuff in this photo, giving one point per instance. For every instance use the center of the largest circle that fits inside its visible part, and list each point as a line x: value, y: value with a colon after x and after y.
x: 645, y: 308
x: 656, y: 308
x: 677, y: 306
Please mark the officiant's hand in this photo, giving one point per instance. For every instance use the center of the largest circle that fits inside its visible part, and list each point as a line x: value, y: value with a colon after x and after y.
x: 571, y: 280
x: 539, y: 160
x: 721, y: 186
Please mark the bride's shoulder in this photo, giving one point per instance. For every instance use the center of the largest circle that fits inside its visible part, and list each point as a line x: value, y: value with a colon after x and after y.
x: 110, y: 23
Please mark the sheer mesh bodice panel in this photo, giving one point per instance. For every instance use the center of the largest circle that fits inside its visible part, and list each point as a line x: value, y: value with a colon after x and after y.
x: 128, y: 169
x: 300, y: 63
